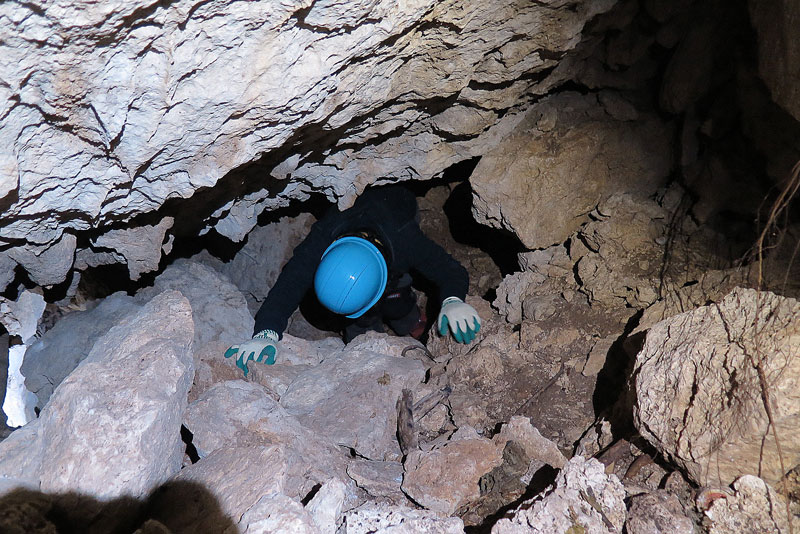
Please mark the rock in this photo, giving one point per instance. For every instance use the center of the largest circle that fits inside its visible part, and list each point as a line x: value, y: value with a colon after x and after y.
x: 778, y: 50
x: 256, y: 266
x: 583, y: 499
x: 219, y: 489
x: 754, y: 508
x: 239, y: 413
x: 59, y: 350
x: 526, y: 371
x: 47, y: 264
x: 543, y: 181
x: 537, y: 448
x: 110, y: 119
x: 277, y: 514
x: 326, y: 505
x: 112, y: 427
x: 691, y: 361
x: 349, y: 399
x: 659, y: 512
x: 445, y: 479
x: 374, y: 519
x: 379, y: 479
x: 219, y: 310
x: 21, y: 458
x: 140, y: 246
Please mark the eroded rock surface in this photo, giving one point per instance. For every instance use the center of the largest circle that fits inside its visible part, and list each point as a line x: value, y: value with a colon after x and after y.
x: 109, y: 115
x: 583, y: 498
x: 567, y: 155
x: 699, y: 394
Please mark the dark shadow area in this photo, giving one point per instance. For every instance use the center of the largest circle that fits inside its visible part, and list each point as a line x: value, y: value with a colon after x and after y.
x: 182, y: 507
x: 610, y: 396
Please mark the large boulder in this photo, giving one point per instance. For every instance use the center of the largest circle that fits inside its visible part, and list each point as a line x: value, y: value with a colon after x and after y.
x: 350, y: 398
x: 567, y: 155
x: 53, y: 356
x: 112, y: 427
x: 703, y: 377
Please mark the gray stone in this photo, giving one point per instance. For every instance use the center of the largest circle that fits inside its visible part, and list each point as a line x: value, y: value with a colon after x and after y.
x: 659, y: 512
x: 379, y: 479
x: 239, y: 413
x: 582, y: 499
x: 349, y: 399
x: 277, y: 514
x: 698, y: 392
x: 326, y: 505
x: 139, y: 245
x: 58, y: 352
x: 754, y: 507
x: 217, y: 491
x: 21, y: 457
x: 112, y: 428
x: 258, y: 263
x: 375, y: 519
x: 445, y: 479
x: 219, y: 310
x: 47, y: 264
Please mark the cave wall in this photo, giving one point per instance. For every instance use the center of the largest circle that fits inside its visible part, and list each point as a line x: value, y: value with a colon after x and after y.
x: 110, y: 110
x: 126, y: 126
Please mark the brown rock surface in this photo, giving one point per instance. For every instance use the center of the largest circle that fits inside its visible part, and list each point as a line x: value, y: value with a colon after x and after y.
x: 699, y: 399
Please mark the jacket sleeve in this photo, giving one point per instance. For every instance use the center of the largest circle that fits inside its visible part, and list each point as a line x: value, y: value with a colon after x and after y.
x: 435, y: 264
x: 295, y: 279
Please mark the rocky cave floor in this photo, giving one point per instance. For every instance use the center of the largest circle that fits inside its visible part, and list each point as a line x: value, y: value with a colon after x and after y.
x: 573, y: 411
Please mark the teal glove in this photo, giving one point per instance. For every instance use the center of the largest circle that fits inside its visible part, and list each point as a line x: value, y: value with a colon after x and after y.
x: 462, y: 319
x: 263, y: 344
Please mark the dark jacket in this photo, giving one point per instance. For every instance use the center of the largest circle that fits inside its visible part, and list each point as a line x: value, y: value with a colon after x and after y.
x: 388, y: 212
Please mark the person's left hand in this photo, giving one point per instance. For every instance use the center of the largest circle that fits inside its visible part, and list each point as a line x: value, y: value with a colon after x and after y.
x: 264, y: 344
x: 462, y: 319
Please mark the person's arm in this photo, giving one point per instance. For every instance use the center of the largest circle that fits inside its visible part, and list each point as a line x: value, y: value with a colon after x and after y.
x: 295, y: 279
x: 452, y: 279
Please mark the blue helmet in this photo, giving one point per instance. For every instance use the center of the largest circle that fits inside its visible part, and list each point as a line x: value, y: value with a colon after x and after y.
x: 351, y: 276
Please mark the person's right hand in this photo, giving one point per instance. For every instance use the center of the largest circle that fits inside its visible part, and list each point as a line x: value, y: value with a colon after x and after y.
x: 261, y: 349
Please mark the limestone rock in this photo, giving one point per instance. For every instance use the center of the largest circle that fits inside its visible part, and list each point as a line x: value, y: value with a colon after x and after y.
x: 659, y: 512
x: 566, y: 157
x: 256, y: 266
x: 112, y: 427
x: 445, y: 479
x: 140, y: 246
x: 277, y: 514
x: 583, y: 499
x: 21, y: 458
x: 219, y: 310
x: 47, y: 264
x: 59, y: 351
x: 349, y: 399
x: 754, y: 507
x: 776, y: 24
x: 698, y: 394
x: 109, y: 115
x: 236, y: 477
x: 239, y: 413
x: 375, y: 519
x: 326, y: 505
x: 379, y: 479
